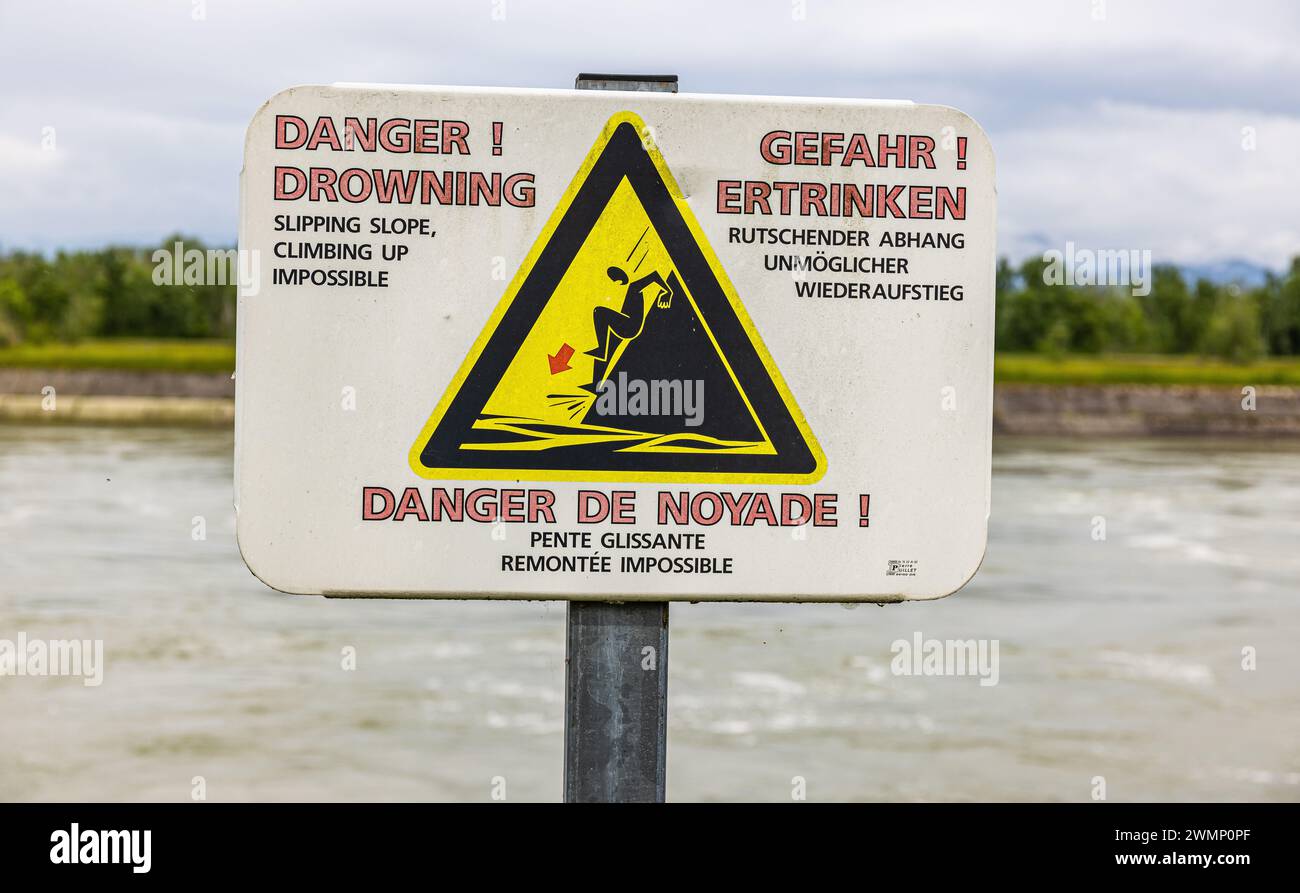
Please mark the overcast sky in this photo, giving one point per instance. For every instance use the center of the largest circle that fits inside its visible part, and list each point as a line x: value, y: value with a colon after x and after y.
x: 1117, y: 123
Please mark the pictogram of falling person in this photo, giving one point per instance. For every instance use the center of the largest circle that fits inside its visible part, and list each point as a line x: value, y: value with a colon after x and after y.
x: 626, y: 323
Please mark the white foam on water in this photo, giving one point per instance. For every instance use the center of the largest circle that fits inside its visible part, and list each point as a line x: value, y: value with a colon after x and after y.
x: 1189, y: 549
x: 769, y: 682
x: 1157, y: 667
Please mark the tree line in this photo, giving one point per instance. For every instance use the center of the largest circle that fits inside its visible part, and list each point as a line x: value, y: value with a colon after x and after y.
x: 106, y: 293
x: 1175, y: 317
x: 112, y: 292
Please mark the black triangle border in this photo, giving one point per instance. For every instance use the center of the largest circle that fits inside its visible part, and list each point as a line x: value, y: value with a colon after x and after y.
x: 624, y: 155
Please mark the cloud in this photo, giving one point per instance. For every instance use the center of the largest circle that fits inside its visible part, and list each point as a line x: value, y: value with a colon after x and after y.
x: 1192, y: 186
x: 1115, y: 122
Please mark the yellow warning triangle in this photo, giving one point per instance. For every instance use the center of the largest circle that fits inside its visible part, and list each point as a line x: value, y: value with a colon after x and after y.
x: 620, y: 351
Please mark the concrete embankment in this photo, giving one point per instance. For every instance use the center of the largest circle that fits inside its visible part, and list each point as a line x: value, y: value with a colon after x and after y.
x: 123, y: 397
x: 104, y: 410
x: 1145, y: 410
x: 199, y: 398
x: 118, y: 383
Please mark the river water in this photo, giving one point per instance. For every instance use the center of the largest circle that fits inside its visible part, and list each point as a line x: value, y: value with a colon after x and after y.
x: 1121, y: 658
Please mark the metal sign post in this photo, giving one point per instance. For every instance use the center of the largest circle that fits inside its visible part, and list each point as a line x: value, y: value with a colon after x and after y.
x: 616, y: 702
x: 616, y: 661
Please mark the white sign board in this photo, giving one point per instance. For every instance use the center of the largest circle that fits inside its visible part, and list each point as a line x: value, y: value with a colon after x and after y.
x: 554, y: 344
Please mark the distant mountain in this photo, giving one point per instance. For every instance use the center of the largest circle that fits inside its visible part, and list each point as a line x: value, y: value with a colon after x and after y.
x: 1226, y: 272
x: 1220, y: 272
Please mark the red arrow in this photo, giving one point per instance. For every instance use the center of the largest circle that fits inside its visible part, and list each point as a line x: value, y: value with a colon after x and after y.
x: 560, y: 362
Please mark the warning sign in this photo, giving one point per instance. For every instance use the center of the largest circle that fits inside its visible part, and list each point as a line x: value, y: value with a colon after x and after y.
x: 620, y: 352
x: 595, y: 344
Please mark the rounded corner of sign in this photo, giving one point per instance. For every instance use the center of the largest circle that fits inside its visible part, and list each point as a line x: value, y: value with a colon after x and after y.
x: 981, y: 135
x: 965, y: 580
x: 256, y: 568
x: 273, y: 100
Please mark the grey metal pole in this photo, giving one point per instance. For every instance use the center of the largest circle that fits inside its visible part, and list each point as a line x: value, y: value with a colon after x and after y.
x: 616, y: 662
x: 616, y: 703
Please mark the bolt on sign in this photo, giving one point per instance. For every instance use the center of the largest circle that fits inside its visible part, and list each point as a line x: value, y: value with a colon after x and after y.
x: 594, y: 345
